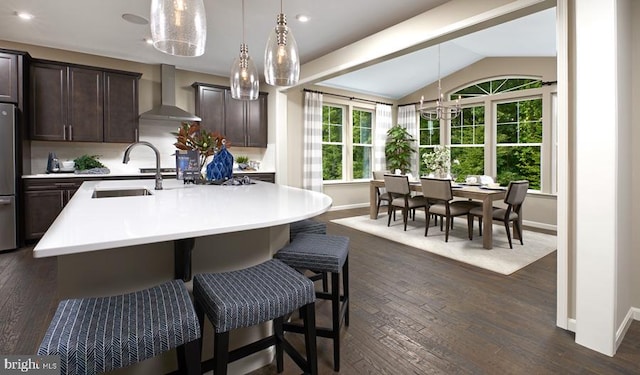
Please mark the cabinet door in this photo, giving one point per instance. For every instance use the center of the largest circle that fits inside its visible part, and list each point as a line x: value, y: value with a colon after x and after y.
x: 86, y: 102
x: 8, y: 78
x: 210, y: 108
x: 48, y: 104
x: 234, y: 114
x: 41, y: 209
x: 257, y: 122
x: 121, y: 108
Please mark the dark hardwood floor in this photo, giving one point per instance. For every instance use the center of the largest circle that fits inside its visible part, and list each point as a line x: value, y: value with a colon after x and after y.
x: 411, y: 313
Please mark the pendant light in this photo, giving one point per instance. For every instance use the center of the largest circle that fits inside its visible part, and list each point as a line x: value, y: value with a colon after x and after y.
x: 281, y: 60
x: 179, y: 27
x: 245, y: 82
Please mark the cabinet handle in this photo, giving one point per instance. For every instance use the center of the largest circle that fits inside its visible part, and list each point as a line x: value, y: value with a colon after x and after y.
x: 64, y: 132
x: 5, y: 201
x: 71, y: 132
x: 135, y: 134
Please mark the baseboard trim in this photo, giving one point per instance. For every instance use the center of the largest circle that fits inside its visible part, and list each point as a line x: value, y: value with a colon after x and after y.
x: 538, y: 225
x: 348, y: 206
x: 632, y: 314
x: 571, y: 325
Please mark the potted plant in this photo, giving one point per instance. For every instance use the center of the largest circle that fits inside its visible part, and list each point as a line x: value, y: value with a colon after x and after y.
x: 398, y: 149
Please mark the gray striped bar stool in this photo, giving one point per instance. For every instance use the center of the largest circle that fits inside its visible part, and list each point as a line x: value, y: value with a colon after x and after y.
x: 310, y: 226
x: 94, y: 335
x: 322, y: 253
x: 250, y: 296
x: 306, y: 226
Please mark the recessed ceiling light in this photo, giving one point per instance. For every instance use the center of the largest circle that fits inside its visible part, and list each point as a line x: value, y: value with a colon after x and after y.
x: 25, y: 15
x: 302, y: 18
x: 135, y: 19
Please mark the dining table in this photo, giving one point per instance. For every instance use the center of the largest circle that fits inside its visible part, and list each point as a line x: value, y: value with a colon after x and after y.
x: 480, y: 193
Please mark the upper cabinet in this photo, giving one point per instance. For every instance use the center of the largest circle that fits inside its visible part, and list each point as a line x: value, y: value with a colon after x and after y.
x: 84, y: 104
x: 243, y: 123
x: 9, y: 77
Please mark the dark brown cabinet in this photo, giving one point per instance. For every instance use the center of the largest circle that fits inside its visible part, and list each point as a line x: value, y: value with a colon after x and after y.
x: 83, y: 104
x: 243, y: 123
x: 266, y: 177
x: 43, y: 201
x: 9, y: 78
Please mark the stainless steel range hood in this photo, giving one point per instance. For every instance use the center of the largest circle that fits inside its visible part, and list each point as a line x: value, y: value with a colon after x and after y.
x: 167, y: 110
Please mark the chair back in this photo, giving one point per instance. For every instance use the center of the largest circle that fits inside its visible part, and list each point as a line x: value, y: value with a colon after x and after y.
x: 516, y: 194
x: 379, y: 175
x: 397, y: 184
x: 436, y: 188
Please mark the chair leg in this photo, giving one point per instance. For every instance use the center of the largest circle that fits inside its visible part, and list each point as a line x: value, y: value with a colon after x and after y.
x: 389, y: 215
x: 470, y: 226
x: 309, y: 321
x: 189, y: 358
x: 506, y: 227
x: 405, y: 214
x: 378, y: 207
x: 221, y: 353
x: 446, y: 233
x: 479, y: 225
x: 325, y: 282
x: 516, y: 225
x: 428, y: 218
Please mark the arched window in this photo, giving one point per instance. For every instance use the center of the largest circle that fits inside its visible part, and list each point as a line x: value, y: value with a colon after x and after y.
x: 512, y: 136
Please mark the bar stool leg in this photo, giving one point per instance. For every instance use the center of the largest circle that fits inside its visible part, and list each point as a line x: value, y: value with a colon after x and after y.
x: 345, y: 292
x: 189, y: 358
x: 309, y: 320
x: 221, y: 353
x: 335, y: 313
x: 279, y: 332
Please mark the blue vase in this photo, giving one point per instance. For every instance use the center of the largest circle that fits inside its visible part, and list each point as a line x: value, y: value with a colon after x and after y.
x: 221, y: 167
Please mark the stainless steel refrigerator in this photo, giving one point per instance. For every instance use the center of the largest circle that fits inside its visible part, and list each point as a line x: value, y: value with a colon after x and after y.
x: 8, y: 217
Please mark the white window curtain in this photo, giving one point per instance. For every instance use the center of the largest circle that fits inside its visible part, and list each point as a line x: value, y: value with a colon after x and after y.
x: 312, y: 163
x: 408, y: 119
x: 383, y: 124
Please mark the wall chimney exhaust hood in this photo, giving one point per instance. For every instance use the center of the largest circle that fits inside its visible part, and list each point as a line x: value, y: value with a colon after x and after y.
x: 167, y: 110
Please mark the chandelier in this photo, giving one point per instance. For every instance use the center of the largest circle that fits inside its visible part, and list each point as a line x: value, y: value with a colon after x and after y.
x: 179, y: 27
x: 440, y: 111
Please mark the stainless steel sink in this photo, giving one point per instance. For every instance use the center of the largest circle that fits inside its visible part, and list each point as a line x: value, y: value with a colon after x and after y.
x: 130, y: 192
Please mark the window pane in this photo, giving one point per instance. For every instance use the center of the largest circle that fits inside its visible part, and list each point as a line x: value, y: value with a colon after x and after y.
x: 468, y: 128
x: 332, y: 123
x: 429, y: 132
x: 471, y: 161
x: 519, y: 163
x: 362, y: 127
x: 361, y: 162
x: 331, y: 162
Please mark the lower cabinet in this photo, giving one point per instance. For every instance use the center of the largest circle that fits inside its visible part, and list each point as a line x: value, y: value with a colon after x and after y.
x: 43, y: 201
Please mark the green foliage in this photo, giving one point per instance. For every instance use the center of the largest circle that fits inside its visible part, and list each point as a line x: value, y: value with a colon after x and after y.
x: 242, y: 159
x: 85, y: 162
x: 331, y: 162
x: 398, y: 149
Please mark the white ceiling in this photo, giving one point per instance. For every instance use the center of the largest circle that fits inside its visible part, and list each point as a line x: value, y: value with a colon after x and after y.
x: 96, y: 27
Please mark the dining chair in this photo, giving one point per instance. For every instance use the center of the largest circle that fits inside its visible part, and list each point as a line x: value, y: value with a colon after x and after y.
x: 398, y: 187
x: 381, y: 193
x: 439, y: 194
x: 516, y: 193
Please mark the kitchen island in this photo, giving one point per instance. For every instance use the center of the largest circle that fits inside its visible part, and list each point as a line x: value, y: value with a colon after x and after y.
x: 112, y: 245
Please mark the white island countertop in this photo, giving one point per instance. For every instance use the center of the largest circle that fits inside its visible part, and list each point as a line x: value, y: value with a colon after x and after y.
x: 177, y: 212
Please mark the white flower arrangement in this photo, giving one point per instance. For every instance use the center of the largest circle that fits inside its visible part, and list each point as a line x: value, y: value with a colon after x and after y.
x: 439, y: 161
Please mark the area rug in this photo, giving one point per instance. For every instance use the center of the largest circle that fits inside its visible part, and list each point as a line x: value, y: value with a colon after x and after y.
x: 500, y: 259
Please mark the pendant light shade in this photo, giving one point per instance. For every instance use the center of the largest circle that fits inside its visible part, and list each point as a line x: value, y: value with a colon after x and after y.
x: 281, y: 59
x: 179, y: 27
x: 245, y: 83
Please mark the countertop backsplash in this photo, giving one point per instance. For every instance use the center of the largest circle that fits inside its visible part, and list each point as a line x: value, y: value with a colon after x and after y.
x: 110, y: 154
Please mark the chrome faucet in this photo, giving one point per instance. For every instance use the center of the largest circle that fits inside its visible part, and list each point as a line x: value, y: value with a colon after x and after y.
x: 125, y: 160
